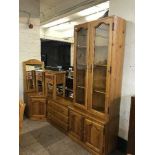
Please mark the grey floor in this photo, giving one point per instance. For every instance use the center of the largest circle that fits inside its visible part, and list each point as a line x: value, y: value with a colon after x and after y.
x: 41, y: 138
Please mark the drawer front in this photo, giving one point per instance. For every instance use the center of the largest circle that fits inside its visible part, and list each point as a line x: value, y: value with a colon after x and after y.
x: 60, y: 116
x: 59, y: 123
x: 59, y: 108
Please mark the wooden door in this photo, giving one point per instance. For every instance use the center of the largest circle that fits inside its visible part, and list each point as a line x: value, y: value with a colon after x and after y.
x: 81, y: 54
x: 100, y: 64
x: 37, y: 107
x: 76, y: 125
x: 94, y: 135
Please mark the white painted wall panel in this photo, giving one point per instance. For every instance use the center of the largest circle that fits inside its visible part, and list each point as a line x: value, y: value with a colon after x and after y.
x: 125, y: 9
x: 29, y: 39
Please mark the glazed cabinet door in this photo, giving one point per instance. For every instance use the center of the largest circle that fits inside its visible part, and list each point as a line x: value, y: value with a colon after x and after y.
x: 94, y: 135
x: 100, y: 61
x: 81, y: 49
x: 37, y: 108
x: 76, y: 125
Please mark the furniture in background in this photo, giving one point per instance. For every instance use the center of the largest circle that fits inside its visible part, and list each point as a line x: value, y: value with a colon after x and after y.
x: 57, y: 104
x: 50, y: 84
x: 21, y: 113
x: 57, y: 112
x: 34, y: 94
x: 131, y: 135
x: 55, y: 83
x: 98, y: 63
x: 69, y: 85
x: 55, y: 53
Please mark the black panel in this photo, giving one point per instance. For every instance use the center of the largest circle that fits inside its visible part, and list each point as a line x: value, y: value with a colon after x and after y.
x: 55, y: 53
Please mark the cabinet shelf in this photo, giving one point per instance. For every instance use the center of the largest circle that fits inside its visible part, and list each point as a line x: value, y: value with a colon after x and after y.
x: 102, y: 36
x: 99, y: 91
x: 69, y: 89
x: 82, y: 87
x: 79, y: 46
x: 98, y: 65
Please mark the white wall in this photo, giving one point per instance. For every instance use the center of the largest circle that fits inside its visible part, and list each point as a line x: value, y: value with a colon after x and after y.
x: 29, y: 39
x: 125, y: 9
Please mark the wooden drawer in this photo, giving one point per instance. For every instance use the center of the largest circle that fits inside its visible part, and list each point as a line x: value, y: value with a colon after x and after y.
x: 59, y: 108
x: 60, y: 116
x: 59, y: 123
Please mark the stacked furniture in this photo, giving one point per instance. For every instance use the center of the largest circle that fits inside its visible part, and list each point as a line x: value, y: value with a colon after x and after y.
x: 34, y: 89
x: 92, y: 119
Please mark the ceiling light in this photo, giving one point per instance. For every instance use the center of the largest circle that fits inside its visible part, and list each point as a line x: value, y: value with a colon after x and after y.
x: 95, y: 16
x: 56, y: 22
x: 87, y: 11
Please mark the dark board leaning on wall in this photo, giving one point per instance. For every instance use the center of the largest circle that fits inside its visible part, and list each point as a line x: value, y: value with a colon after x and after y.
x: 55, y: 53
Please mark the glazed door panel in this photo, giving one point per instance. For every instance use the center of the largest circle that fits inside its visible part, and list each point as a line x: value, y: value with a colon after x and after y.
x: 93, y: 135
x: 76, y: 125
x: 100, y: 49
x: 80, y: 65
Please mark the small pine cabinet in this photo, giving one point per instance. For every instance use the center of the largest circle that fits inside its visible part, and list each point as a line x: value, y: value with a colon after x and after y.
x: 37, y: 107
x: 98, y: 63
x: 34, y: 89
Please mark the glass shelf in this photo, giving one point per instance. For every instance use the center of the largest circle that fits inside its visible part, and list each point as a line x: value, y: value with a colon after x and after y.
x: 99, y: 91
x: 82, y: 87
x: 100, y: 65
x: 80, y: 46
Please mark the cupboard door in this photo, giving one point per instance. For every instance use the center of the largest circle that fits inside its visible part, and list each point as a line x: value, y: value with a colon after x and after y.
x: 93, y: 135
x: 38, y: 108
x: 30, y: 80
x: 76, y: 125
x: 80, y: 64
x: 100, y: 47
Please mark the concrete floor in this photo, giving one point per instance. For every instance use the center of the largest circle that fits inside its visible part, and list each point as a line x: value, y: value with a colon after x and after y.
x: 41, y: 138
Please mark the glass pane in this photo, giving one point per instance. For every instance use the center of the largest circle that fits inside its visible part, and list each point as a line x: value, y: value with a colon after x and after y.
x: 98, y: 101
x: 101, y: 45
x: 99, y: 80
x: 39, y: 80
x: 80, y: 95
x: 81, y: 66
x: 100, y: 67
x: 30, y: 80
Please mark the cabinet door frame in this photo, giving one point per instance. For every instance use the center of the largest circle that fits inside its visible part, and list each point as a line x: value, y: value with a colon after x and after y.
x: 89, y: 123
x: 93, y: 25
x: 74, y: 114
x: 33, y: 100
x: 76, y: 30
